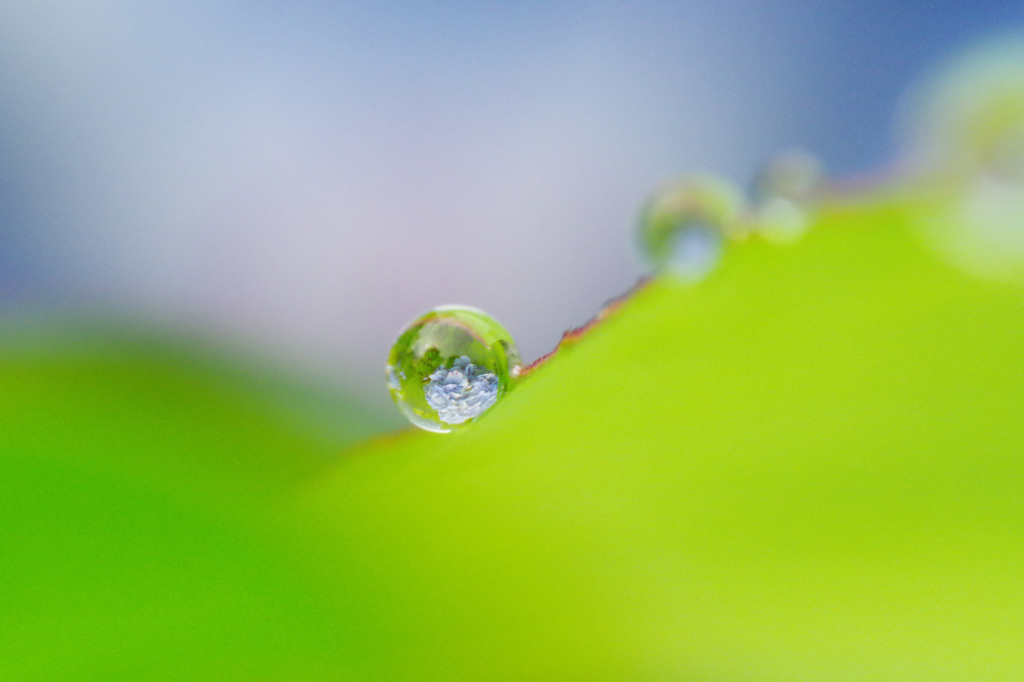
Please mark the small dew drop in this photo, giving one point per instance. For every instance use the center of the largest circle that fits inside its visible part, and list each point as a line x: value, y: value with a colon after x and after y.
x: 793, y: 174
x: 780, y: 220
x: 684, y: 227
x: 787, y: 190
x: 449, y: 366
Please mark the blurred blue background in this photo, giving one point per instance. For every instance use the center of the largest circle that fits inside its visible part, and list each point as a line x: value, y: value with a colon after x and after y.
x: 297, y: 180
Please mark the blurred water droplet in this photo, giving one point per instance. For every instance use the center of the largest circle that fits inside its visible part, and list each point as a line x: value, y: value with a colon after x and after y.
x: 787, y: 190
x: 449, y: 366
x: 965, y: 154
x: 780, y: 220
x: 684, y: 227
x: 979, y: 227
x: 793, y: 174
x: 969, y: 118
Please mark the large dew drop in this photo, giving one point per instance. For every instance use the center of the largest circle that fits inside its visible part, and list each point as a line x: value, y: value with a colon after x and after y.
x: 968, y: 119
x: 449, y: 366
x: 965, y: 151
x: 684, y: 227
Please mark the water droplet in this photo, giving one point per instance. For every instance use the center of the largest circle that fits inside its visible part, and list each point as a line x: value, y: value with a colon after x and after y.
x: 780, y: 220
x: 449, y: 366
x: 969, y: 118
x: 793, y: 174
x: 979, y: 227
x: 787, y: 190
x: 684, y: 227
x: 965, y: 155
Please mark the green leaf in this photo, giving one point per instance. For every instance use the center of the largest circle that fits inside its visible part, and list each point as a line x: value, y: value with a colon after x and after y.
x: 807, y: 467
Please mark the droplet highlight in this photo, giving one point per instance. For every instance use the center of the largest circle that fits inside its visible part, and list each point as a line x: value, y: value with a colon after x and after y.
x: 450, y: 366
x: 684, y: 227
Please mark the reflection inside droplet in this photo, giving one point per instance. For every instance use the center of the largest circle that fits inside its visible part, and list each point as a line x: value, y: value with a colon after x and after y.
x: 462, y: 392
x: 696, y: 248
x: 450, y: 366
